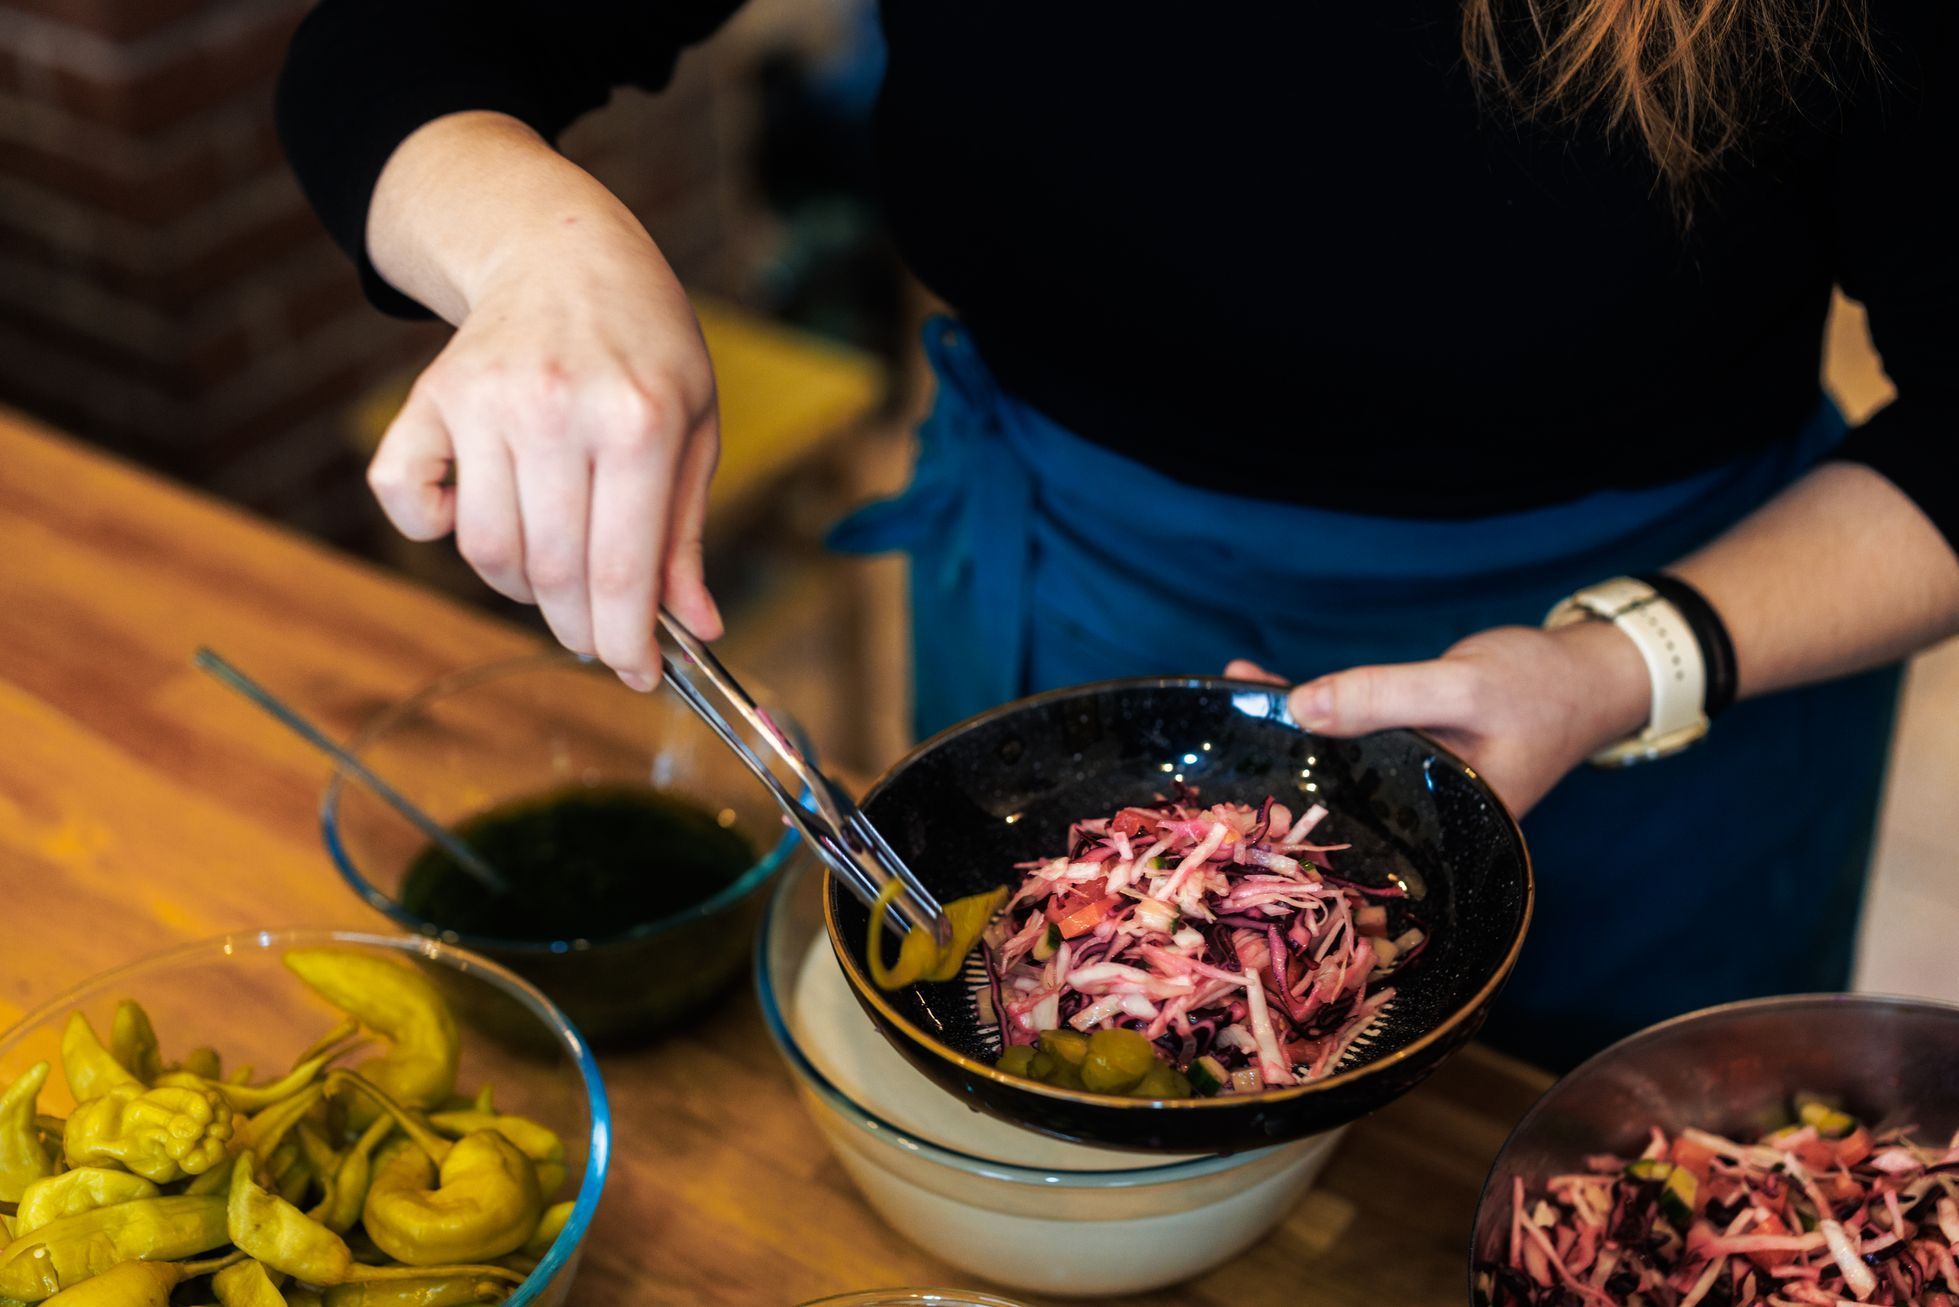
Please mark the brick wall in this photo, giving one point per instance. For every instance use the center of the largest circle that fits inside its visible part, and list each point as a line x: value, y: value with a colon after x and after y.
x: 165, y: 292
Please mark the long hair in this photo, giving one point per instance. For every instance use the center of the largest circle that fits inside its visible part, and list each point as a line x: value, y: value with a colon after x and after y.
x: 1687, y: 79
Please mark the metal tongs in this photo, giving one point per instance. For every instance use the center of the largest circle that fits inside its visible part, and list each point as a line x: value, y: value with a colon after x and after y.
x: 841, y: 835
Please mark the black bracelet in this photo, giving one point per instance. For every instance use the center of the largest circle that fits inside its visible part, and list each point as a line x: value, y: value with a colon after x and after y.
x: 1710, y: 632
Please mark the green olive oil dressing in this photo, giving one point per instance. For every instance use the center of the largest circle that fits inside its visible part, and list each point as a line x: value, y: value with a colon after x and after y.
x: 583, y: 862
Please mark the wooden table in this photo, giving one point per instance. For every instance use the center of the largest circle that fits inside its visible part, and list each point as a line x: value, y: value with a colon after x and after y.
x: 141, y: 805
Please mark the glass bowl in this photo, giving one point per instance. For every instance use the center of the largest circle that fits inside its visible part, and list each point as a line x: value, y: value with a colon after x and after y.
x: 542, y: 722
x: 1059, y: 1219
x: 234, y: 994
x: 1734, y: 1069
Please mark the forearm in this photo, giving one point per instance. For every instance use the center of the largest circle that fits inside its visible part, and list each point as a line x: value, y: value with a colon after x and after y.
x: 1839, y: 573
x: 464, y: 194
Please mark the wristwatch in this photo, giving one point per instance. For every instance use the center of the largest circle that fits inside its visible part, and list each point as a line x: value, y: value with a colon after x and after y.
x: 1675, y: 666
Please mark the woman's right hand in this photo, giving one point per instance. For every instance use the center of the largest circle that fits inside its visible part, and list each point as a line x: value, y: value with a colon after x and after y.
x: 568, y: 431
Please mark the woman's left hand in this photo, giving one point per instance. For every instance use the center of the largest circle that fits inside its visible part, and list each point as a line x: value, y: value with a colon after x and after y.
x: 1520, y: 705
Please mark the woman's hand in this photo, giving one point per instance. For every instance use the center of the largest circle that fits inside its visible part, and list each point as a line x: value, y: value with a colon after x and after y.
x: 568, y: 431
x: 1520, y: 705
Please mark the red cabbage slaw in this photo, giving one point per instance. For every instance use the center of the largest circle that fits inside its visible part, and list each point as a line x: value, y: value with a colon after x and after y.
x: 1217, y: 933
x: 1817, y: 1213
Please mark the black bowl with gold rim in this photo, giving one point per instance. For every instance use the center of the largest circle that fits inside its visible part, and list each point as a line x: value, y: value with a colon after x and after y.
x: 1003, y: 787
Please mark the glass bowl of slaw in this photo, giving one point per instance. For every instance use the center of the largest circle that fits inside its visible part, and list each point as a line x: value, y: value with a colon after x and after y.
x: 1004, y: 1204
x: 235, y: 995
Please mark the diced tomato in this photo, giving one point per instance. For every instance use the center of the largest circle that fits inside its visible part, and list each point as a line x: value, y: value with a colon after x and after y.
x: 1694, y: 1157
x: 1853, y: 1147
x: 1808, y: 1147
x: 1084, y: 918
x: 1074, y: 898
x: 1770, y: 1224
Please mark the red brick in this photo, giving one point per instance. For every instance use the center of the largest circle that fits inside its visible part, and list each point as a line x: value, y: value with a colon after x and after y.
x: 292, y: 227
x: 97, y: 351
x: 217, y: 358
x: 117, y: 19
x: 338, y: 386
x: 154, y: 196
x: 327, y: 298
x: 201, y: 77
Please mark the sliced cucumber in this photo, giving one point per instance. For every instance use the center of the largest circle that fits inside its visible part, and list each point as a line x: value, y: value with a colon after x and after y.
x: 1045, y: 946
x: 1677, y: 1187
x: 1829, y: 1121
x: 1207, y: 1076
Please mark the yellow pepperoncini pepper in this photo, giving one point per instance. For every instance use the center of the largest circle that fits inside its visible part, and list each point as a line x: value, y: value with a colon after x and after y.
x: 272, y: 1231
x: 482, y: 1202
x: 254, y: 1098
x: 23, y: 1157
x: 439, y: 1291
x: 919, y: 954
x: 71, y: 1193
x: 549, y: 1227
x: 92, y: 1070
x: 432, y: 1201
x: 138, y: 1284
x: 538, y: 1143
x: 202, y: 1062
x: 347, y: 1191
x: 401, y: 1005
x: 267, y: 1129
x: 246, y: 1284
x: 161, y: 1134
x: 132, y: 1042
x: 63, y: 1253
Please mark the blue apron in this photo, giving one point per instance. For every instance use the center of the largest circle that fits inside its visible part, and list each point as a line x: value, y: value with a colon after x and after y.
x: 1732, y: 870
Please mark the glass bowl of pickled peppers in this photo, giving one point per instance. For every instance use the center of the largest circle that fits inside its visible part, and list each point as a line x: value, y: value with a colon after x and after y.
x: 300, y: 1118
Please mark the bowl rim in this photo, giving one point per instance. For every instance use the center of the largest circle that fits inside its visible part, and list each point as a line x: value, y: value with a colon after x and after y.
x: 566, y: 1247
x: 760, y: 873
x: 867, y: 991
x: 891, y: 1135
x: 1622, y: 1046
x: 924, y: 1297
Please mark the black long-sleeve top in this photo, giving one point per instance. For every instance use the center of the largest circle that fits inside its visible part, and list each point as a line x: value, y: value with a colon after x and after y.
x: 1284, y: 250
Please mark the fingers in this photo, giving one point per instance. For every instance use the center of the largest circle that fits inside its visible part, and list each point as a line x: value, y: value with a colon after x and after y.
x: 685, y: 581
x: 1437, y: 693
x: 1243, y: 669
x: 410, y: 471
x: 630, y: 492
x: 489, y: 530
x: 554, y: 487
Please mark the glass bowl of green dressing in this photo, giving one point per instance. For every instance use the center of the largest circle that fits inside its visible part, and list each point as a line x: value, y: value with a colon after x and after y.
x: 636, y: 847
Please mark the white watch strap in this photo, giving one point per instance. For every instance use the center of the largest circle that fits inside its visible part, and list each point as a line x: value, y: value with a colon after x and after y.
x: 1674, y: 669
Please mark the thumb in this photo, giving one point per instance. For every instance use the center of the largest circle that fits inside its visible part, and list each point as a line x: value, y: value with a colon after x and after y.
x: 1435, y: 693
x: 411, y: 474
x: 1244, y: 669
x: 685, y: 582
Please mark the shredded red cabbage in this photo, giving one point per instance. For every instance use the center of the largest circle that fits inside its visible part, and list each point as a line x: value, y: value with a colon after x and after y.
x: 1821, y: 1212
x: 1215, y: 932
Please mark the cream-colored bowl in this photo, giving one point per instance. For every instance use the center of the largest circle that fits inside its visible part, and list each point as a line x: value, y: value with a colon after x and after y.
x: 1005, y: 1204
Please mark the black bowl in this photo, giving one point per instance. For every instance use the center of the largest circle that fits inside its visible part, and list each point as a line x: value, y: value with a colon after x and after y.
x: 1733, y: 1069
x: 1003, y: 787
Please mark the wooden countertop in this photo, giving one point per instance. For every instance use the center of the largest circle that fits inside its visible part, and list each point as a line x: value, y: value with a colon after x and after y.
x: 141, y: 806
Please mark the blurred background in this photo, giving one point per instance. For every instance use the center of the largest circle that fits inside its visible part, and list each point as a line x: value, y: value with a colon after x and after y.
x: 166, y: 295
